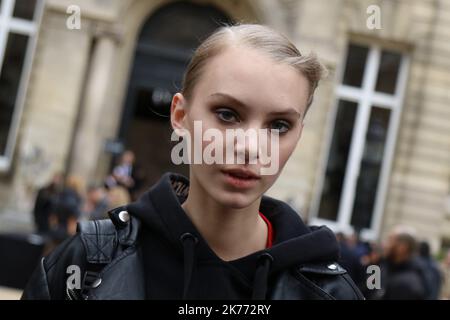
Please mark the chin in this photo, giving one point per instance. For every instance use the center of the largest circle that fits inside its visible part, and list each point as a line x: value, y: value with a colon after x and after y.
x: 236, y: 200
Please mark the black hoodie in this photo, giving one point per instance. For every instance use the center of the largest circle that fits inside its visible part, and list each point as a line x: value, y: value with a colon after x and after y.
x: 178, y: 262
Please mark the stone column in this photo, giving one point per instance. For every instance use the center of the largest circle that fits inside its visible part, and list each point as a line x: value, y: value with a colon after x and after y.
x: 89, y: 136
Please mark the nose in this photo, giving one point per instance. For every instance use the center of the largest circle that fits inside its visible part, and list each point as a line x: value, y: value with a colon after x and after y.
x: 246, y: 146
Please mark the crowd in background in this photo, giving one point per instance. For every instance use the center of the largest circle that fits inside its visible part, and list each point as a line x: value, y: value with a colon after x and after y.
x: 407, y: 268
x: 65, y: 200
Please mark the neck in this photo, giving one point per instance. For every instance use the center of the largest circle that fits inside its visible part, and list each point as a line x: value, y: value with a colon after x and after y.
x: 231, y: 233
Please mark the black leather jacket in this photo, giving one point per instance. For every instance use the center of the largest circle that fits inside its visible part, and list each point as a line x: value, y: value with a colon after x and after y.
x: 110, y: 260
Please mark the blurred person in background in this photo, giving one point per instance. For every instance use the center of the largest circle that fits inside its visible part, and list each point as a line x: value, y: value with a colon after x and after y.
x: 350, y: 260
x: 118, y: 196
x: 431, y: 271
x: 357, y: 246
x: 402, y: 276
x: 44, y: 204
x: 374, y: 257
x: 96, y: 204
x: 445, y: 267
x: 67, y: 209
x: 127, y: 174
x: 122, y: 174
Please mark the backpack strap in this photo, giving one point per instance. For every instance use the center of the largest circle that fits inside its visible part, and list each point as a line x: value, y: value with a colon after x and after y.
x: 102, y: 241
x: 99, y: 238
x: 102, y: 238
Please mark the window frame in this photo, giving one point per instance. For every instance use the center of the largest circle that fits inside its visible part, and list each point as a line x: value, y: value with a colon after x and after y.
x: 8, y: 24
x: 366, y: 97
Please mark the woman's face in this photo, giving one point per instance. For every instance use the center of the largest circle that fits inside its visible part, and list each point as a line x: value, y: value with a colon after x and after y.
x: 242, y: 88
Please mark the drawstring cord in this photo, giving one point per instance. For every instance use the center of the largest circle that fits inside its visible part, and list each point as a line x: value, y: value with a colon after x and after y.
x: 189, y: 241
x: 261, y: 277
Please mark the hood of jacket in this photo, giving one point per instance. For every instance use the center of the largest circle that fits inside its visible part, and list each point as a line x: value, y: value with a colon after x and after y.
x: 172, y: 244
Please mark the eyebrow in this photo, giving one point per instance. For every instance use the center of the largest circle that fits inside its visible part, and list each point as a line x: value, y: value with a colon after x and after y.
x: 288, y: 111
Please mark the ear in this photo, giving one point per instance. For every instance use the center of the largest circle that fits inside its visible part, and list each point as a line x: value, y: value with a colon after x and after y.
x: 178, y: 113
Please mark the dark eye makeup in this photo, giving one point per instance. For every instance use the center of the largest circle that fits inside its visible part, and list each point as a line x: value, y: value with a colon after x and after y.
x: 229, y: 116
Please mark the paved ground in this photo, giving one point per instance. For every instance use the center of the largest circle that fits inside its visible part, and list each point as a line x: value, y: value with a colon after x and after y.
x: 9, y: 294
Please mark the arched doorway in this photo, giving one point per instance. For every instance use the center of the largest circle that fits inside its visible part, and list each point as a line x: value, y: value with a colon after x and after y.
x: 164, y: 46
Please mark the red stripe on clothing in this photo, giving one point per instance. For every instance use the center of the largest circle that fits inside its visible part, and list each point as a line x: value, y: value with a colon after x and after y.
x: 269, y: 231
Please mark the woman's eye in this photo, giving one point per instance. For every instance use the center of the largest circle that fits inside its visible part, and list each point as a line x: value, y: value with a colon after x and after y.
x: 227, y: 115
x: 280, y: 125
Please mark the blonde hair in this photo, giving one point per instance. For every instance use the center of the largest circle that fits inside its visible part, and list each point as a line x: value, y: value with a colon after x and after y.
x: 118, y: 196
x: 75, y: 183
x: 255, y: 36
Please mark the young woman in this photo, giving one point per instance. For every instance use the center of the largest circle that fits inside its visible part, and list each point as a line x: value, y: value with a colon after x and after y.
x: 214, y: 236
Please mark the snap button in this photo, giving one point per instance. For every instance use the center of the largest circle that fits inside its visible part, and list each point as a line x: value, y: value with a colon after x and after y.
x: 124, y: 216
x: 96, y: 283
x: 332, y: 266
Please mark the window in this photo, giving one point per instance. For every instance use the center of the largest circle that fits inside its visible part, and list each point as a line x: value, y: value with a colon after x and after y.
x: 18, y: 26
x: 354, y: 176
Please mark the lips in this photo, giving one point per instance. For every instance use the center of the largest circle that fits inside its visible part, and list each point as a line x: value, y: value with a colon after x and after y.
x: 241, y: 178
x: 242, y: 173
